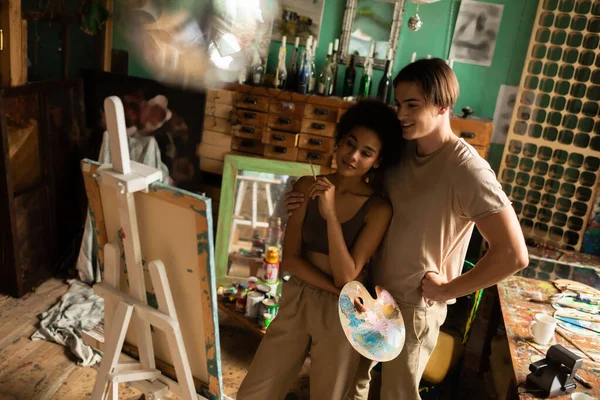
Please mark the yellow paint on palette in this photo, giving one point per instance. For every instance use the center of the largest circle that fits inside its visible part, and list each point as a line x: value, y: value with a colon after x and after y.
x: 377, y: 333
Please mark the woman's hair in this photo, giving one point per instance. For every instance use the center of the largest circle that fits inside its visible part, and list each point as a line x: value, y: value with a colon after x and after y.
x: 380, y: 118
x: 434, y: 79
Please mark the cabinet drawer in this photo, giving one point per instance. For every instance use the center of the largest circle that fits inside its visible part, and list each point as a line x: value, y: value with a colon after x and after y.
x: 216, y: 138
x: 475, y: 132
x: 217, y: 124
x: 322, y: 113
x: 250, y: 118
x: 284, y: 123
x: 252, y: 102
x: 316, y: 157
x: 220, y: 96
x: 281, y: 153
x: 316, y: 143
x: 248, y: 131
x: 212, y: 152
x: 218, y: 110
x: 289, y: 109
x: 317, y: 127
x: 278, y: 138
x: 247, y: 145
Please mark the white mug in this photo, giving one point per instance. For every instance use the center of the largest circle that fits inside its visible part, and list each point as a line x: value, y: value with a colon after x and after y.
x: 542, y: 329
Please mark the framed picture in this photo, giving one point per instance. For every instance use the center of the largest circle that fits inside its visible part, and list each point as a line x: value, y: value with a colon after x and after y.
x: 476, y: 32
x: 173, y: 116
x: 301, y: 18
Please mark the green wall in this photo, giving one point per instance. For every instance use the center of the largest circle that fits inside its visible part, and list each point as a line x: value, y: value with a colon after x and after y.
x: 479, y: 85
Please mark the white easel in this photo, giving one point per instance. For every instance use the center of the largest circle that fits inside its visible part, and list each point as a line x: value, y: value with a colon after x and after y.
x: 130, y: 177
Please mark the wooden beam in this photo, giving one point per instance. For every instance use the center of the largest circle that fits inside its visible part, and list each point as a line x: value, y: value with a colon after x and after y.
x: 107, y: 37
x: 10, y: 56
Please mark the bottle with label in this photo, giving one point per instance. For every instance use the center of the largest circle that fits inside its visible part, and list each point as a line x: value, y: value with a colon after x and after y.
x: 256, y: 70
x: 274, y: 233
x: 304, y: 73
x: 281, y: 71
x: 258, y: 245
x: 349, y: 78
x: 326, y: 76
x: 384, y: 92
x: 292, y: 79
x: 270, y: 267
x: 367, y: 78
x: 313, y: 69
x: 334, y: 66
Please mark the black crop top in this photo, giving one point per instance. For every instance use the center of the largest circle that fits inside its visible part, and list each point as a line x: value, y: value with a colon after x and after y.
x: 314, y: 228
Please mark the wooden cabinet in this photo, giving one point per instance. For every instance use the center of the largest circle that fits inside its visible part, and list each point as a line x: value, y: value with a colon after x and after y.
x: 475, y: 131
x: 42, y: 198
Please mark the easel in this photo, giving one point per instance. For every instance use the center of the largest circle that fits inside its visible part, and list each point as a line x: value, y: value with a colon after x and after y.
x: 130, y: 177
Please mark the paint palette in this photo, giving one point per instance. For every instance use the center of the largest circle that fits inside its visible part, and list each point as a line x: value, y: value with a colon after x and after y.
x: 378, y: 333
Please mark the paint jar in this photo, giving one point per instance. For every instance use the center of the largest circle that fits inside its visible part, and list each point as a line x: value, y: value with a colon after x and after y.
x: 268, y: 306
x: 253, y: 301
x: 264, y: 321
x: 264, y: 289
x: 273, y: 287
x: 240, y: 303
x: 270, y: 267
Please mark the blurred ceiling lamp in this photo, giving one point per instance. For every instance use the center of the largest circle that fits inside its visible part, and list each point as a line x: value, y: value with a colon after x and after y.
x: 193, y: 43
x: 415, y: 23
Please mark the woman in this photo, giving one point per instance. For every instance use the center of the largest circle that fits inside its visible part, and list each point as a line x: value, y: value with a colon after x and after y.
x: 328, y: 242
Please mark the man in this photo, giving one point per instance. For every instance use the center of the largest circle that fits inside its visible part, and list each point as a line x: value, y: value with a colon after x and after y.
x: 440, y: 190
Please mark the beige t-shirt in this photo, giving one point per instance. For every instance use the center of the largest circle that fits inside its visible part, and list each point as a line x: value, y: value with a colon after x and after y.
x: 436, y: 201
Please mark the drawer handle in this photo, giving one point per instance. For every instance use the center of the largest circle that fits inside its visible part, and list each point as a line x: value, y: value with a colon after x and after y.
x: 247, y: 143
x: 250, y: 115
x: 316, y: 142
x: 285, y: 121
x: 313, y: 156
x: 279, y: 149
x: 467, y: 135
x: 279, y: 138
x: 321, y: 111
x: 250, y: 100
x: 247, y: 129
x: 318, y: 126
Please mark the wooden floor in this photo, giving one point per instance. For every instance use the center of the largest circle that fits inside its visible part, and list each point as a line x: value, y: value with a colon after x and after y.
x: 40, y: 370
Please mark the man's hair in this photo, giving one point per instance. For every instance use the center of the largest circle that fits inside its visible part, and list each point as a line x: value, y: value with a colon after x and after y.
x: 434, y: 79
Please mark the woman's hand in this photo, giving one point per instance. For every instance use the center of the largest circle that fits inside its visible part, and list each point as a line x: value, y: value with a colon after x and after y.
x: 325, y: 191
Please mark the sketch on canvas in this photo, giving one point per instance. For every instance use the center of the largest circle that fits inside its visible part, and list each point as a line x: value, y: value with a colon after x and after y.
x: 378, y: 333
x: 476, y: 32
x: 300, y: 18
x: 507, y: 98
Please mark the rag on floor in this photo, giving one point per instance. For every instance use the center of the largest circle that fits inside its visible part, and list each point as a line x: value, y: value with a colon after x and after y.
x: 80, y: 309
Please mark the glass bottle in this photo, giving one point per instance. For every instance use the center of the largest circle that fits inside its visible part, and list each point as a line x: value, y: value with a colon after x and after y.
x: 349, y: 78
x: 281, y: 72
x: 326, y: 77
x: 292, y: 79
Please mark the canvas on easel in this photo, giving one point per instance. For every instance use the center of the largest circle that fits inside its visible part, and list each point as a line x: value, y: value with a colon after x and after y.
x: 175, y: 227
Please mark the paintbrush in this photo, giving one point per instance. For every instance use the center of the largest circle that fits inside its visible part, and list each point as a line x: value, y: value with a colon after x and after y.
x: 568, y: 339
x: 577, y: 377
x: 575, y: 324
x: 312, y: 169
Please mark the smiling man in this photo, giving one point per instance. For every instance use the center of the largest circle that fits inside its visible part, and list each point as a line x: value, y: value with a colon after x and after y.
x: 441, y: 189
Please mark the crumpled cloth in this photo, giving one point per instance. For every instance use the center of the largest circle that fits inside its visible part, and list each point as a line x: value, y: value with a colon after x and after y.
x: 80, y: 309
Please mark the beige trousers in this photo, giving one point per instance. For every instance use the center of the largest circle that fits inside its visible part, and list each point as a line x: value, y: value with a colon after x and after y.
x: 400, y: 377
x: 308, y: 321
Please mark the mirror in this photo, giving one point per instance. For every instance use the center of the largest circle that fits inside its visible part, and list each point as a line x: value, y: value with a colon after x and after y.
x: 371, y: 21
x: 251, y: 212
